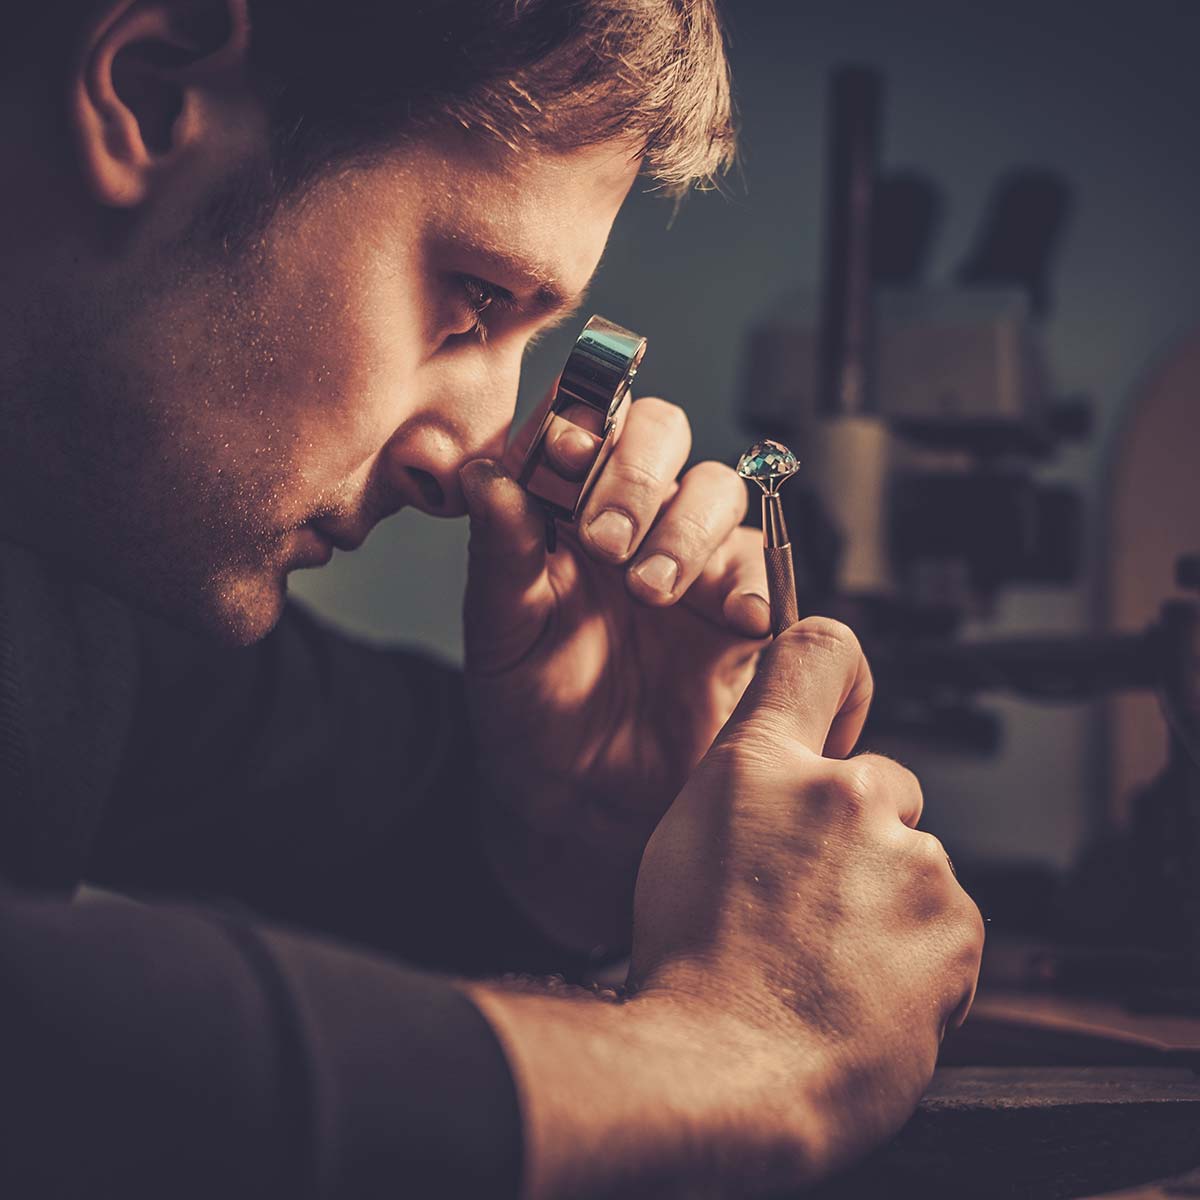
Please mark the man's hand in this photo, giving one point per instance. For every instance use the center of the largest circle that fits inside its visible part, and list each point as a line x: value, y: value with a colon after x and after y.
x: 799, y: 950
x: 599, y: 675
x: 794, y: 889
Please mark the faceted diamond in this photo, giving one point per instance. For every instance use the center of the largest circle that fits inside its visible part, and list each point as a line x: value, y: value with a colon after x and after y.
x: 768, y: 464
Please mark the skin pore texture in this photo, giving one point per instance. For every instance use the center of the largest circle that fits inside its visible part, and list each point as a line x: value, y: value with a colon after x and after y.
x: 202, y: 408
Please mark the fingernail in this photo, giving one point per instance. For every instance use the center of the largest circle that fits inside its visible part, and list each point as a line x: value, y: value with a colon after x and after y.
x: 758, y: 606
x: 658, y: 572
x: 478, y: 470
x: 611, y: 532
x: 471, y: 476
x: 476, y: 477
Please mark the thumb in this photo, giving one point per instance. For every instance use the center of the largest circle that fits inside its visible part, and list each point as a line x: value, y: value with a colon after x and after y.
x: 813, y: 684
x: 508, y: 597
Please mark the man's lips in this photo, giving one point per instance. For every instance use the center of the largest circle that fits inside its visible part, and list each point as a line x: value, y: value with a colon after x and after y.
x: 313, y: 548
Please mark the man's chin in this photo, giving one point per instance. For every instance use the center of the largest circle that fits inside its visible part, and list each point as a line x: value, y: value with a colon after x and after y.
x: 233, y: 608
x: 243, y: 609
x: 234, y: 604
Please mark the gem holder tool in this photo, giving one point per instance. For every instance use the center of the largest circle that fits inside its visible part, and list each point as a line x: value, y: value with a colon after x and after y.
x: 769, y: 464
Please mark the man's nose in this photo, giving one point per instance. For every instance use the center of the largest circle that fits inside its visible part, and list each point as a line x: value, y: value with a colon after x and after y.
x: 465, y: 419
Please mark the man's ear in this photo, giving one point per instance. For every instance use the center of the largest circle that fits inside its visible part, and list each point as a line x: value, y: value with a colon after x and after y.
x: 144, y: 89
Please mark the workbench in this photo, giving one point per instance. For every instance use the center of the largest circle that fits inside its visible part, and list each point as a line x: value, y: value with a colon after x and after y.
x: 1091, y: 1100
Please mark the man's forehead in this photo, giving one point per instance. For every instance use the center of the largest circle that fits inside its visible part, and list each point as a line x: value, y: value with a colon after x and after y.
x: 539, y: 216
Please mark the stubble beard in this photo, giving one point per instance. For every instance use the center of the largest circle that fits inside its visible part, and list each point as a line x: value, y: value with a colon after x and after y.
x: 155, y: 488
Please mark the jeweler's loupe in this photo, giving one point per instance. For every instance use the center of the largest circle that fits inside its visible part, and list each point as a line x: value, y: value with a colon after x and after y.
x: 590, y: 396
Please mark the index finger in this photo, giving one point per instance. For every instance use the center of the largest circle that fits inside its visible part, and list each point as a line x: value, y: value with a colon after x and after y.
x: 814, y: 680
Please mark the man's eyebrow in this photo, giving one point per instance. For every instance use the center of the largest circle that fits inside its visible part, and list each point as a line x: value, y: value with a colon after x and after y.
x: 555, y: 307
x: 547, y: 296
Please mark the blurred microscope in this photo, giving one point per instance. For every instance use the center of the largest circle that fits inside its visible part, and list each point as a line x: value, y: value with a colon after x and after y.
x: 921, y: 416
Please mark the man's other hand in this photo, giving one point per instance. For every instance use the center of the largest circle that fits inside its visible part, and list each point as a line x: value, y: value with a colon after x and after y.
x: 794, y: 889
x: 599, y: 675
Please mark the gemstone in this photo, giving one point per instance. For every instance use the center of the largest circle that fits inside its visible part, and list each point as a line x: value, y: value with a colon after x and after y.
x: 767, y: 463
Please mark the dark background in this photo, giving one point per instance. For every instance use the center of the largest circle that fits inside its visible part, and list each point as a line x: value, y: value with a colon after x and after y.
x: 1106, y: 94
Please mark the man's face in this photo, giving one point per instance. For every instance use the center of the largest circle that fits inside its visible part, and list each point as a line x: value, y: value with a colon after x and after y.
x: 235, y: 415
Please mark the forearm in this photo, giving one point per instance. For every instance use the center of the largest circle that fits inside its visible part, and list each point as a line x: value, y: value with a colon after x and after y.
x: 655, y: 1096
x: 162, y: 1052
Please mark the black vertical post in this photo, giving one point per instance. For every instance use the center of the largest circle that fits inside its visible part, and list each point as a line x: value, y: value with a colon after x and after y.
x: 855, y: 97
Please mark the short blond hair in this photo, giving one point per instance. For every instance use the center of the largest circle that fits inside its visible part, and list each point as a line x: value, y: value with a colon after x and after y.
x: 557, y: 73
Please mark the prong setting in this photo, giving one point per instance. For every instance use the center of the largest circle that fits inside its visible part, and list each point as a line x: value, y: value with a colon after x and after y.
x: 768, y: 463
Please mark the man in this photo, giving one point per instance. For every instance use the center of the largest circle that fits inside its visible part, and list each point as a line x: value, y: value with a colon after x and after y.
x: 270, y: 269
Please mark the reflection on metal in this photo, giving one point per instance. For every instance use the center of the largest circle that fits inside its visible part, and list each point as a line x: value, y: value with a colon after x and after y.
x: 591, y: 393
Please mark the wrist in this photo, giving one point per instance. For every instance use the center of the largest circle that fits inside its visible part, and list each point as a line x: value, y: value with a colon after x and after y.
x: 657, y: 1095
x: 819, y: 1092
x: 768, y: 1103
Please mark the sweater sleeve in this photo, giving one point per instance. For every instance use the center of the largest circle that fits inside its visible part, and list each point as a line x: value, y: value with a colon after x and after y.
x: 154, y: 1051
x: 320, y: 782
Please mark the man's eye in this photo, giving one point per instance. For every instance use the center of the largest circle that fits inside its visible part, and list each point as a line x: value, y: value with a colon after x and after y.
x: 482, y: 301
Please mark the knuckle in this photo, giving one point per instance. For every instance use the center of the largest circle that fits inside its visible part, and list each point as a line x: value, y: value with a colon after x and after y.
x: 929, y: 857
x: 713, y: 474
x: 722, y: 484
x: 689, y: 532
x: 631, y: 476
x: 769, y: 722
x: 746, y: 763
x: 842, y: 793
x: 875, y: 777
x: 904, y: 777
x: 861, y: 777
x: 917, y: 792
x: 974, y: 928
x: 827, y: 633
x: 927, y: 887
x: 898, y: 785
x: 964, y: 952
x: 670, y: 417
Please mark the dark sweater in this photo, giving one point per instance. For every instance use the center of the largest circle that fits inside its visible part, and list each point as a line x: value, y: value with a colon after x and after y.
x: 192, y: 1047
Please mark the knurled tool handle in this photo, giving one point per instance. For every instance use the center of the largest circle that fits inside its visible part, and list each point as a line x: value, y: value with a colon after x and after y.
x: 781, y: 587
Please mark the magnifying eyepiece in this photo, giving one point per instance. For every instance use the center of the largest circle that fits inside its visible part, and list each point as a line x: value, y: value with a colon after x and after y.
x: 590, y: 397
